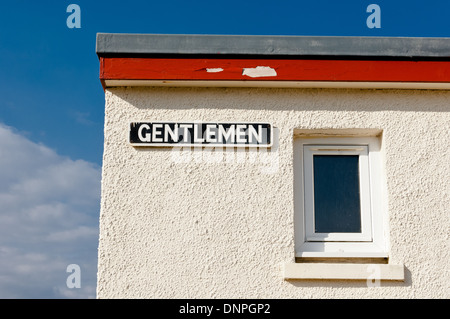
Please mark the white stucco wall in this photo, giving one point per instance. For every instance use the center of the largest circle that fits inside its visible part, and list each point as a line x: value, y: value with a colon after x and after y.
x: 173, y: 226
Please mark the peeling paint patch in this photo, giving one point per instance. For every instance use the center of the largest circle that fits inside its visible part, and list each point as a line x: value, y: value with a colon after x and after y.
x: 214, y: 70
x: 259, y: 71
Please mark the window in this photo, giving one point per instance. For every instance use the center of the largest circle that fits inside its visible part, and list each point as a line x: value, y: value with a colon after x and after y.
x: 338, y: 198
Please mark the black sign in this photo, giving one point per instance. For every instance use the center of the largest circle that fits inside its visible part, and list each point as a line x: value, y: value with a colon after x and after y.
x: 200, y: 134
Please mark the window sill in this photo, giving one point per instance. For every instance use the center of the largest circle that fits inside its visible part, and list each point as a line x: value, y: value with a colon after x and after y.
x: 341, y: 249
x: 342, y: 271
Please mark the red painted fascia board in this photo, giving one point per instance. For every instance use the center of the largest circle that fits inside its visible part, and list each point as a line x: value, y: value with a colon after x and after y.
x: 102, y: 68
x: 189, y: 69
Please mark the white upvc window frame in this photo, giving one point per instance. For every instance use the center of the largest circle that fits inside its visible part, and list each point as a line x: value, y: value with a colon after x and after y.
x: 364, y: 188
x: 371, y: 242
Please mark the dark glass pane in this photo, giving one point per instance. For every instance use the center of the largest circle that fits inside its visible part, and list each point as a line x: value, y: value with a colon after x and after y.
x: 336, y: 194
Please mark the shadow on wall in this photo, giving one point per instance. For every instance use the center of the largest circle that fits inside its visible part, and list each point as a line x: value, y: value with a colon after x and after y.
x: 369, y: 100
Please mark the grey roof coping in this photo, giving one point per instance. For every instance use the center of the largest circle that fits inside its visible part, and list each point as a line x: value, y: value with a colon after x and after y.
x: 259, y: 45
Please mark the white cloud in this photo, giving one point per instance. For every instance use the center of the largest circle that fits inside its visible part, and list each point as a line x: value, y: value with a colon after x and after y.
x: 72, y: 235
x: 49, y: 208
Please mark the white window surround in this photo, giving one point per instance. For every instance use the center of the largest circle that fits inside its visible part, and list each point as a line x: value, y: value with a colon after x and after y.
x: 372, y: 241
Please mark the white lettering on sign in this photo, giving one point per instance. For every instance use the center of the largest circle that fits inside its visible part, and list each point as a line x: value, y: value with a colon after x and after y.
x: 157, y: 132
x: 226, y: 134
x: 173, y: 133
x: 185, y: 133
x: 211, y: 133
x: 207, y: 134
x: 147, y: 136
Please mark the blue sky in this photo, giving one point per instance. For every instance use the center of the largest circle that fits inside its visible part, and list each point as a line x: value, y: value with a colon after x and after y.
x: 52, y: 108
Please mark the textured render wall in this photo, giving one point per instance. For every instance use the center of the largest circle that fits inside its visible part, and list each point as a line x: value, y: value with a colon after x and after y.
x: 185, y: 225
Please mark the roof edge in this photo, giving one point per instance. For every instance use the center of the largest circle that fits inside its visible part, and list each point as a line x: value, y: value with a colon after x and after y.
x: 262, y: 45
